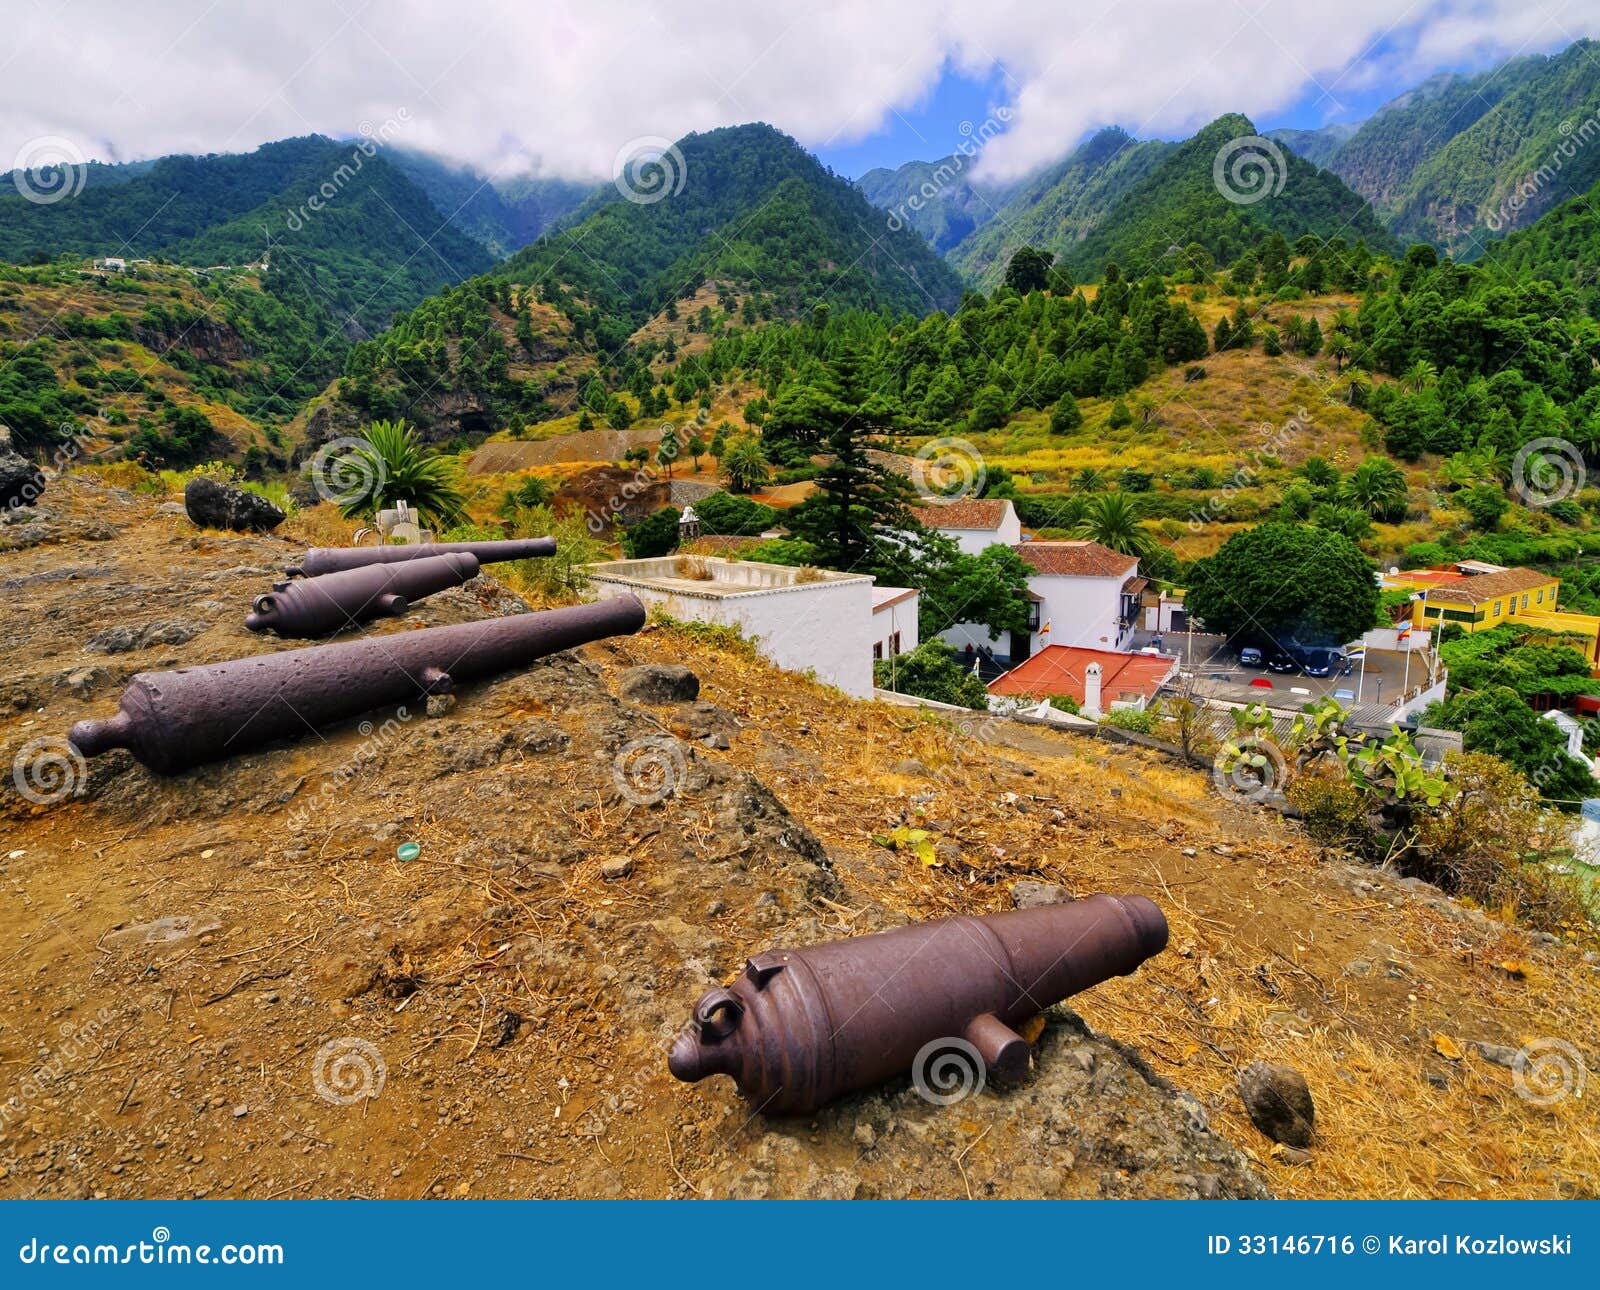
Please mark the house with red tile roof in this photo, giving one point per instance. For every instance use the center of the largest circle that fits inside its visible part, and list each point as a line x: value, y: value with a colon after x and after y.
x: 1098, y: 679
x: 973, y: 523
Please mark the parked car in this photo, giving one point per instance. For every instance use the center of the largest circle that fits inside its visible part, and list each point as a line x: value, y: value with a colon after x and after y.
x: 1282, y: 663
x: 1249, y: 656
x: 1319, y: 662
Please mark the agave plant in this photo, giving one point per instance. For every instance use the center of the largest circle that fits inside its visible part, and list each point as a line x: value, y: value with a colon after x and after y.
x: 395, y: 466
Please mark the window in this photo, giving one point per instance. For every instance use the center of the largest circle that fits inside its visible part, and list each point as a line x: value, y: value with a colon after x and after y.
x: 1524, y: 599
x: 1497, y: 609
x: 1540, y: 601
x: 1033, y: 615
x: 877, y: 651
x: 894, y: 643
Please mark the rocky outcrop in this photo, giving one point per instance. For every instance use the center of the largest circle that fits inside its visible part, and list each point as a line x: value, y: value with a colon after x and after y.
x: 21, y: 481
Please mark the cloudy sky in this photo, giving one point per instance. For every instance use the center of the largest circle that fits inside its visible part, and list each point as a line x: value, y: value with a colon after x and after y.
x: 563, y: 86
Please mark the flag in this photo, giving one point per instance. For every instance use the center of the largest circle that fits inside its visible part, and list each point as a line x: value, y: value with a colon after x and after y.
x: 1045, y: 630
x: 1404, y: 631
x: 976, y: 659
x: 1360, y: 651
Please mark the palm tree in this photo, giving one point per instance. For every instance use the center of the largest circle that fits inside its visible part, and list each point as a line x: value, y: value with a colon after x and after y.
x: 1420, y: 375
x: 389, y: 465
x: 1378, y: 487
x: 1089, y: 480
x: 745, y: 464
x: 1112, y: 520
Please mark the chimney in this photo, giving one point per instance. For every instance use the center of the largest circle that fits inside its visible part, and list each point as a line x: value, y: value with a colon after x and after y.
x: 1091, y: 690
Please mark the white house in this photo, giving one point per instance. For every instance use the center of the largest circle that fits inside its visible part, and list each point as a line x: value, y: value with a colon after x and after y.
x: 803, y: 620
x: 973, y: 523
x: 1088, y: 594
x: 894, y: 621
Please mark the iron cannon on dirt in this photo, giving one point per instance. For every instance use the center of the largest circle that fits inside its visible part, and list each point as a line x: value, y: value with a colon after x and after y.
x: 330, y: 602
x: 800, y: 1028
x: 171, y: 721
x: 334, y: 559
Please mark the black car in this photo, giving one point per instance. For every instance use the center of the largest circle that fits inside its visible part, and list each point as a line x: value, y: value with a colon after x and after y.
x: 1282, y: 663
x: 1319, y: 662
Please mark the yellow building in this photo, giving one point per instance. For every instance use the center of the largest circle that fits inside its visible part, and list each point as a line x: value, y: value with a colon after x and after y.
x: 1475, y: 595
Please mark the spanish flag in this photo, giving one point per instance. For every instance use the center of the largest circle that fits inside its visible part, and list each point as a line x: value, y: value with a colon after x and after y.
x: 1045, y: 630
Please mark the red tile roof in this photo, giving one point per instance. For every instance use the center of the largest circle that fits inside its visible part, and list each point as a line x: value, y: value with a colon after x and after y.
x: 1058, y: 669
x: 1080, y: 559
x: 967, y: 513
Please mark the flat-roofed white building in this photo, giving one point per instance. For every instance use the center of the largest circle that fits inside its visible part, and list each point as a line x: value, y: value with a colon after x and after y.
x: 803, y: 620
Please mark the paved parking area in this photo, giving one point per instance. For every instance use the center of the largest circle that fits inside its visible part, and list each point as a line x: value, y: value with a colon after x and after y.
x: 1216, y: 665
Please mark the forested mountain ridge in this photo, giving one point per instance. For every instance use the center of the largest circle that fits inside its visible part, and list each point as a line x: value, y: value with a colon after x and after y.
x: 1316, y: 146
x: 940, y: 199
x: 376, y: 245
x: 1056, y: 209
x: 504, y: 216
x: 745, y: 204
x: 1459, y: 160
x: 1181, y: 202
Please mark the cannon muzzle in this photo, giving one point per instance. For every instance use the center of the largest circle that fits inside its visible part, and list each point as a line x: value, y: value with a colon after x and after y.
x: 335, y: 559
x: 171, y: 721
x: 331, y: 602
x: 800, y: 1028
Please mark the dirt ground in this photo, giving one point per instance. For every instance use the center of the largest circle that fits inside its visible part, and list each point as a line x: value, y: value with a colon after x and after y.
x: 230, y: 982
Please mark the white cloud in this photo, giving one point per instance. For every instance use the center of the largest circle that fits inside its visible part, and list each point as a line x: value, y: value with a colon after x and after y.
x: 559, y: 86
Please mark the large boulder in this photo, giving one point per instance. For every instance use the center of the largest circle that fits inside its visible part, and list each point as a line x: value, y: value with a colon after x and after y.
x: 21, y: 481
x: 215, y: 505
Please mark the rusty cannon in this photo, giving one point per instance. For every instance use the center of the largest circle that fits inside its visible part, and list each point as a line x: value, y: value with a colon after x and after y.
x: 171, y: 721
x: 335, y: 559
x: 331, y: 602
x: 942, y: 999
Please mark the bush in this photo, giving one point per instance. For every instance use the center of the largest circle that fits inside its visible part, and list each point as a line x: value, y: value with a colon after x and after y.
x: 932, y: 671
x: 1331, y: 808
x: 1139, y: 721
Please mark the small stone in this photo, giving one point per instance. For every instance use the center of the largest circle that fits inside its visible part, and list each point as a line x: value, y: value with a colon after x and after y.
x: 865, y: 1136
x: 1279, y: 1102
x: 1498, y: 1054
x: 240, y: 1111
x: 1190, y: 852
x: 1293, y: 1156
x: 716, y: 908
x: 439, y: 704
x: 716, y: 739
x: 612, y: 870
x: 1027, y: 894
x: 911, y: 768
x: 659, y: 683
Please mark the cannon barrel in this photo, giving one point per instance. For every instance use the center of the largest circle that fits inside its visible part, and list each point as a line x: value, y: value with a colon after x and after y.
x: 171, y: 721
x: 800, y: 1028
x: 335, y: 559
x: 331, y: 602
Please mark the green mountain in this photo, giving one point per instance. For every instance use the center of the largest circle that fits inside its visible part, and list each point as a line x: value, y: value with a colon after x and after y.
x: 940, y: 199
x: 745, y: 205
x: 1561, y: 246
x: 503, y: 216
x: 1181, y: 202
x: 1461, y: 159
x: 1056, y: 209
x: 1316, y: 146
x: 362, y: 240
